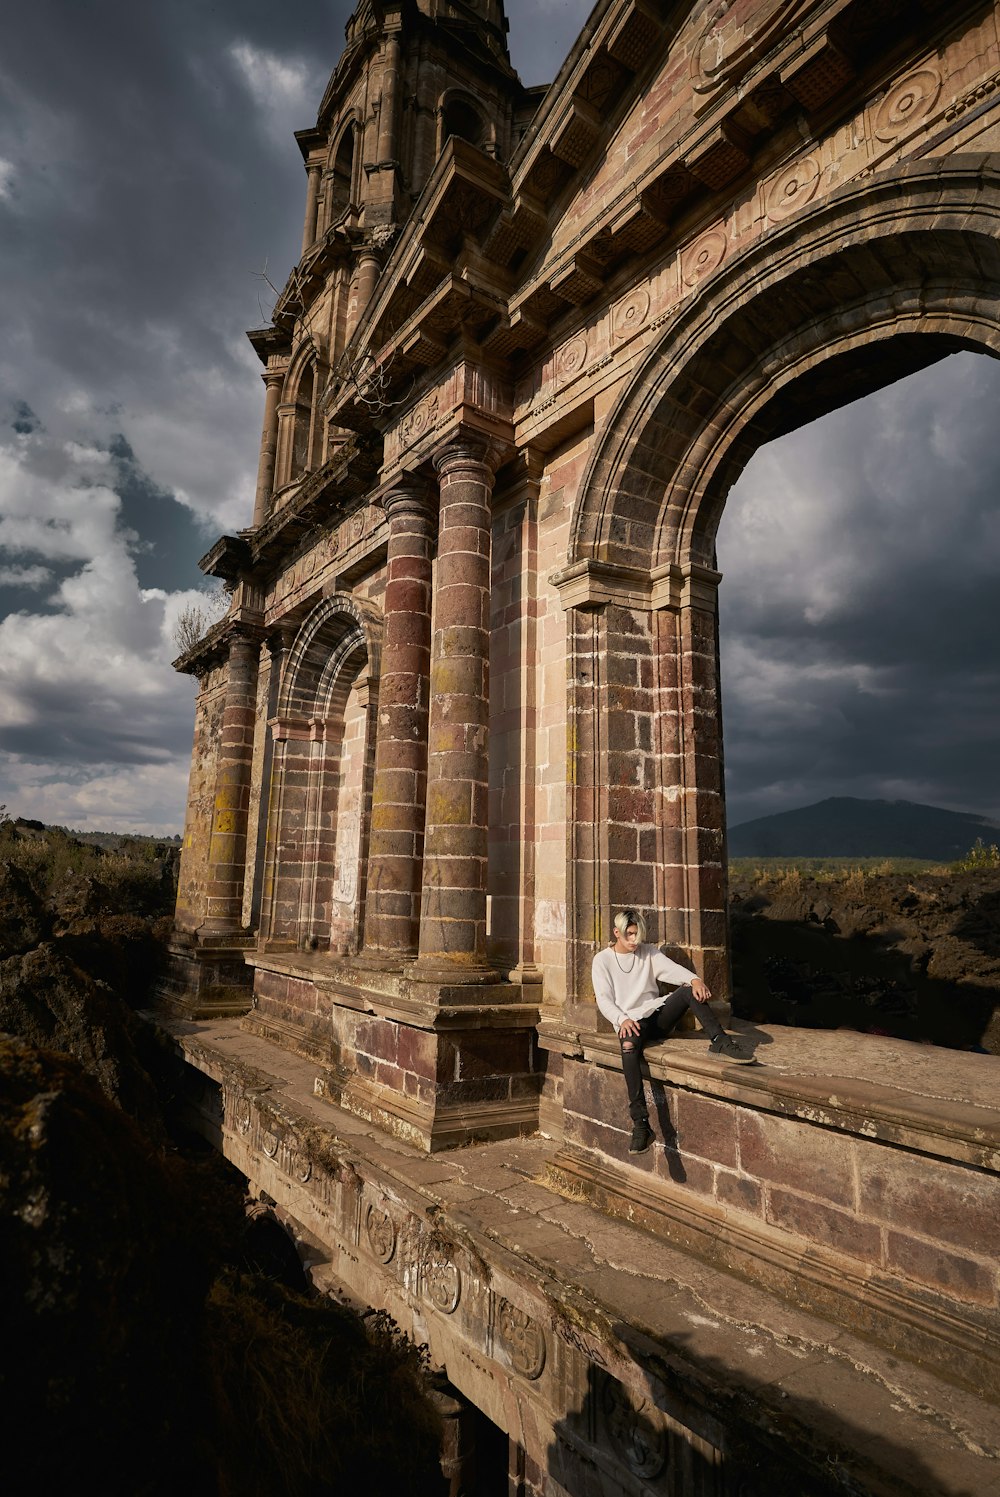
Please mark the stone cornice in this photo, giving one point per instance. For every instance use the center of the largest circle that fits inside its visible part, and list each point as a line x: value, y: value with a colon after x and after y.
x: 592, y: 584
x: 324, y: 496
x: 243, y: 624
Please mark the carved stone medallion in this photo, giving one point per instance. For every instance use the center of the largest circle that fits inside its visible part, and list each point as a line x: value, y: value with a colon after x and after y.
x: 522, y: 1340
x: 634, y: 1430
x: 442, y: 1283
x: 738, y: 32
x: 572, y: 357
x: 792, y: 188
x: 907, y: 104
x: 381, y: 1232
x: 703, y: 256
x: 630, y: 313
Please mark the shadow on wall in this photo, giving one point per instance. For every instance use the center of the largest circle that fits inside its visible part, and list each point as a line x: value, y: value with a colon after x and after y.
x: 620, y: 1443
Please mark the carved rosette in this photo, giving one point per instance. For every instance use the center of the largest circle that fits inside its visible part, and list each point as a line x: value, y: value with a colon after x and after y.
x: 630, y: 313
x: 269, y: 1143
x: 907, y: 104
x: 243, y: 1116
x: 703, y: 256
x: 302, y: 1167
x: 381, y: 1232
x: 634, y: 1430
x: 521, y: 1339
x: 442, y: 1282
x: 736, y: 33
x: 571, y: 357
x: 792, y: 188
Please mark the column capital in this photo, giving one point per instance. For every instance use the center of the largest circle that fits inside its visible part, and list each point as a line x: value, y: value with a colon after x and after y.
x: 467, y: 451
x: 407, y: 496
x: 273, y: 378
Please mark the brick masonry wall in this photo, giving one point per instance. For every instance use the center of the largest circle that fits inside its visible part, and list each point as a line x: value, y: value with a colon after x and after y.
x: 916, y: 1219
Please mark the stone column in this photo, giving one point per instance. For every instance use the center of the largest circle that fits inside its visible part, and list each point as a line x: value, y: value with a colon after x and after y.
x: 453, y: 905
x: 367, y: 269
x: 228, y: 843
x: 388, y: 106
x: 314, y: 170
x: 273, y: 380
x: 399, y: 791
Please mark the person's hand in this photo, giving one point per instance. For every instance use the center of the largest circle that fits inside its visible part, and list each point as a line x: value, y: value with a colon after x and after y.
x: 700, y: 990
x: 628, y: 1029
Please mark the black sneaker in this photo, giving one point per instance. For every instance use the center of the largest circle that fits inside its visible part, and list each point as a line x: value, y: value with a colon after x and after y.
x: 729, y: 1049
x: 642, y: 1137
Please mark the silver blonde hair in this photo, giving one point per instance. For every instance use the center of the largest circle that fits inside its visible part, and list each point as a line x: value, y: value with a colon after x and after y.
x: 624, y: 918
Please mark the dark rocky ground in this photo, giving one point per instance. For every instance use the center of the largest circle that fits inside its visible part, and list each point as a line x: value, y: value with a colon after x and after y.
x: 157, y: 1335
x: 915, y: 956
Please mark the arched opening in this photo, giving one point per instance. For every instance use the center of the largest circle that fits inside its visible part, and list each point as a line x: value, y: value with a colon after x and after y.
x: 859, y: 613
x: 460, y: 117
x: 303, y: 424
x: 341, y: 177
x: 884, y: 278
x: 320, y: 805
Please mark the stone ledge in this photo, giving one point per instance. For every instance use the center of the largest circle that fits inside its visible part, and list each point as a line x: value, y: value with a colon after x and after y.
x: 964, y: 1347
x: 942, y: 1124
x: 709, y: 1357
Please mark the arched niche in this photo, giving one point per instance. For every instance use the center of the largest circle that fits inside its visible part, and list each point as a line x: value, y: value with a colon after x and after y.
x: 340, y: 187
x: 883, y: 277
x: 463, y: 117
x: 300, y: 422
x: 320, y: 803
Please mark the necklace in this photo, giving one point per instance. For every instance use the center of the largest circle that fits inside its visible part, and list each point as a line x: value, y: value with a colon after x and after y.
x: 620, y: 967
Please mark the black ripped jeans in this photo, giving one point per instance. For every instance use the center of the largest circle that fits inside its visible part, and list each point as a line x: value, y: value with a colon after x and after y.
x: 656, y: 1026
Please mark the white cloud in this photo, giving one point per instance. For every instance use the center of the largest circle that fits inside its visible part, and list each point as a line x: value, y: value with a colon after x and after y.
x: 131, y: 798
x: 96, y: 723
x: 8, y: 172
x: 24, y: 576
x: 285, y: 90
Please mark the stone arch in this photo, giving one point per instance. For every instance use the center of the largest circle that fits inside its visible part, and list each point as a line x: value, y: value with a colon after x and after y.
x: 883, y: 277
x: 834, y: 305
x: 320, y: 809
x: 462, y: 115
x: 299, y: 416
x: 341, y: 173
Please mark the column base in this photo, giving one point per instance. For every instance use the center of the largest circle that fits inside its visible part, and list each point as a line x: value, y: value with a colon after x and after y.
x: 206, y: 976
x: 439, y: 1063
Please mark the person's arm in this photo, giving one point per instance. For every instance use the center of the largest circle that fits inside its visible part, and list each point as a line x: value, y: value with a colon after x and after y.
x: 604, y: 992
x: 672, y: 971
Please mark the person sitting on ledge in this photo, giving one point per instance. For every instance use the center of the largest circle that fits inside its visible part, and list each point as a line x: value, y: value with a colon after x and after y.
x: 625, y: 985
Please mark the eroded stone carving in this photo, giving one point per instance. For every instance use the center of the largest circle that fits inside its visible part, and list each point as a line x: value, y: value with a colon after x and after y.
x: 442, y: 1282
x: 381, y: 1232
x: 792, y: 188
x: 703, y: 256
x: 572, y: 356
x: 633, y: 1429
x: 630, y: 313
x: 736, y: 33
x: 521, y: 1339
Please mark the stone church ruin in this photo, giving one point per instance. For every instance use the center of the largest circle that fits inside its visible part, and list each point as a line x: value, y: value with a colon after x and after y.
x: 465, y: 702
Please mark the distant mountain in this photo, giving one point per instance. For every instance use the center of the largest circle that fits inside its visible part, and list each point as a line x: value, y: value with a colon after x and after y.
x: 843, y: 827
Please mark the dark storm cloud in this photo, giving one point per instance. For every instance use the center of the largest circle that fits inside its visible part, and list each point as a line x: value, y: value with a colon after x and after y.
x: 860, y: 612
x: 148, y: 174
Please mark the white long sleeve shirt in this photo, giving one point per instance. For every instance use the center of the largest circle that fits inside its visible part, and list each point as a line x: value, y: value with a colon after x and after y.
x: 625, y: 987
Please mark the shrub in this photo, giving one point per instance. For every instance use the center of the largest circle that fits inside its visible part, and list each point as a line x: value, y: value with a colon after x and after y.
x: 979, y: 858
